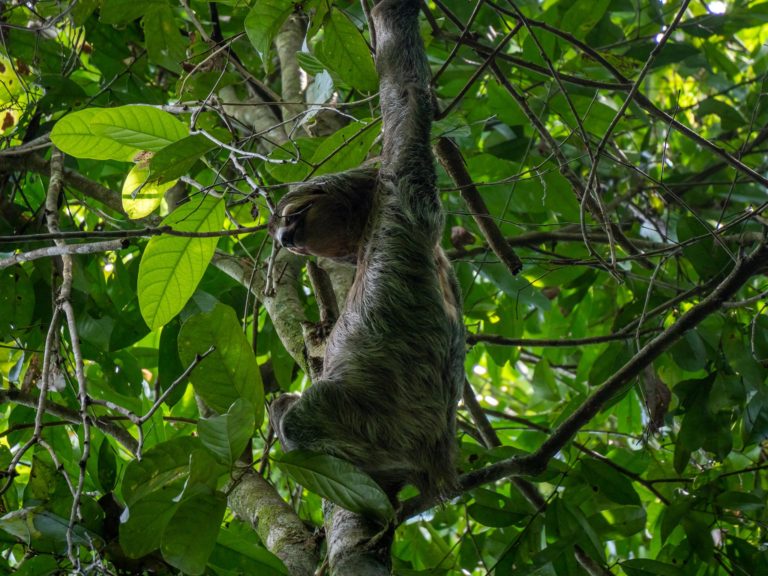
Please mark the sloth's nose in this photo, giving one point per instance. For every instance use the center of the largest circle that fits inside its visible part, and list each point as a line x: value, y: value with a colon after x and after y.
x: 285, y: 237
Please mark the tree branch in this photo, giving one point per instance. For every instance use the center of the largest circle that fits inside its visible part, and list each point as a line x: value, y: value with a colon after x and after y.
x: 533, y: 464
x: 450, y: 157
x: 254, y: 500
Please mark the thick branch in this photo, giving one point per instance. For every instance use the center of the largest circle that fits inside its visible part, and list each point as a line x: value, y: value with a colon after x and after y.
x: 283, y: 533
x: 34, y: 163
x: 72, y: 416
x: 745, y: 268
x: 355, y: 545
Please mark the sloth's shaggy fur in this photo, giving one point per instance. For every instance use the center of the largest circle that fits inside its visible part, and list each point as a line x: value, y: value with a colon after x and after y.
x: 394, y: 363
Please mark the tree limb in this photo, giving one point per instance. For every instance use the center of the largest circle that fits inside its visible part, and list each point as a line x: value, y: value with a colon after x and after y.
x: 533, y: 464
x: 450, y: 157
x: 254, y: 500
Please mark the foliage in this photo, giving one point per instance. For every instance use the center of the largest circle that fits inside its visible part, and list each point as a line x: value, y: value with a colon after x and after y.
x: 619, y: 150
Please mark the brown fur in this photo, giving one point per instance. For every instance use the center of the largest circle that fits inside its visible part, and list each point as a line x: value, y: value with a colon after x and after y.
x: 394, y: 362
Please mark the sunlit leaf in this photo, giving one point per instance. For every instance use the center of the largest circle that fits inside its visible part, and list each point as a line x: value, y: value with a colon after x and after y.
x: 172, y: 266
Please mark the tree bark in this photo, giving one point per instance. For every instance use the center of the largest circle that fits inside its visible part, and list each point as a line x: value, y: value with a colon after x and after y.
x: 254, y: 500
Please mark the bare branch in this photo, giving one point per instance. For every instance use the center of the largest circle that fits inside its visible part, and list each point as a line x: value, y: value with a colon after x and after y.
x: 450, y: 157
x: 92, y: 248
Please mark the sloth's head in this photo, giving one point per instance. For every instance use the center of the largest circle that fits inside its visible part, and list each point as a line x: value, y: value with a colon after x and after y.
x: 311, y: 221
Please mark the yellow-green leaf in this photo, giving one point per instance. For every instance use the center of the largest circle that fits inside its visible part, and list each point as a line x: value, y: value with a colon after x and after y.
x: 73, y: 135
x: 172, y: 266
x: 140, y: 197
x: 142, y: 127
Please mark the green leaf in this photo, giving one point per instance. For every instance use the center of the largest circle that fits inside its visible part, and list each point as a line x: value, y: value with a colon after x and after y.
x: 172, y: 266
x: 493, y: 509
x: 344, y: 51
x: 204, y: 472
x: 611, y: 483
x: 582, y: 16
x: 107, y: 466
x: 338, y: 481
x: 698, y: 529
x: 42, y: 565
x: 236, y: 552
x: 310, y: 63
x: 264, y: 21
x: 230, y: 372
x: 190, y: 536
x: 140, y: 127
x: 227, y: 435
x: 178, y: 158
x: 17, y: 301
x: 140, y: 196
x: 47, y: 531
x: 743, y: 501
x: 755, y: 428
x: 169, y: 366
x: 74, y: 135
x: 165, y: 45
x: 125, y: 11
x: 345, y: 149
x: 164, y: 468
x: 646, y: 567
x: 143, y: 523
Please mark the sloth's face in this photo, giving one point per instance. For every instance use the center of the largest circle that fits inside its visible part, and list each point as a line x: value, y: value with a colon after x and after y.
x: 315, y: 225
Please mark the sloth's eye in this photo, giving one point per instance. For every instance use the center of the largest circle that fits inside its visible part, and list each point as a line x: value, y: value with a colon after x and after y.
x: 291, y: 218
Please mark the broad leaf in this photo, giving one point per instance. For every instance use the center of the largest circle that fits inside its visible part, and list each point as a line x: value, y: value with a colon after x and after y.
x: 143, y: 523
x: 140, y: 196
x: 172, y: 266
x: 264, y: 21
x: 165, y: 45
x: 178, y: 158
x: 188, y: 549
x: 338, y: 481
x: 345, y: 53
x: 74, y: 135
x: 231, y: 371
x: 227, y: 435
x: 164, y: 468
x: 141, y: 127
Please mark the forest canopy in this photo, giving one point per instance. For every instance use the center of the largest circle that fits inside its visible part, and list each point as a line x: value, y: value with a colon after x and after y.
x: 602, y: 167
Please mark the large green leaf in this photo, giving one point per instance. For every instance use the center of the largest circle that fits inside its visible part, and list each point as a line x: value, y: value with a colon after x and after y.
x: 74, y: 135
x: 17, y: 298
x: 344, y: 51
x: 227, y: 435
x: 190, y: 536
x: 178, y: 158
x: 264, y: 21
x: 231, y: 371
x: 338, y: 481
x: 237, y: 552
x: 125, y: 11
x: 172, y: 266
x: 611, y: 483
x: 346, y: 149
x: 141, y: 127
x: 648, y: 567
x: 165, y: 45
x: 144, y: 522
x: 140, y: 196
x: 164, y: 468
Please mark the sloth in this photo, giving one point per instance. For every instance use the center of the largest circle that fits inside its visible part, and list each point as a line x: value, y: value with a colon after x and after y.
x: 394, y: 361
